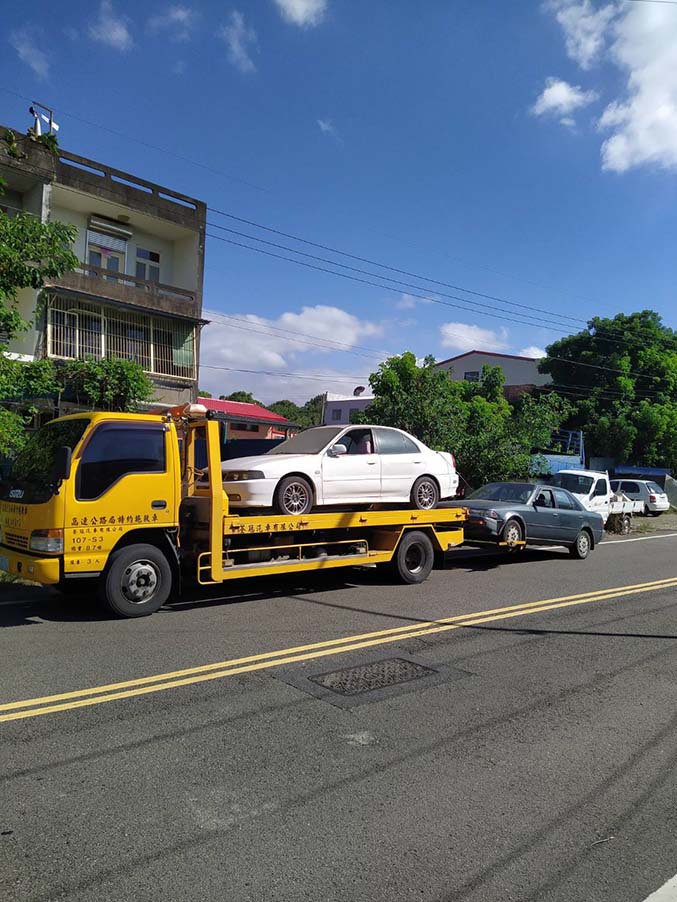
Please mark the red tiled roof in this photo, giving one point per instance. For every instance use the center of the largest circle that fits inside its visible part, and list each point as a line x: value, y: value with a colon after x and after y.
x: 235, y: 409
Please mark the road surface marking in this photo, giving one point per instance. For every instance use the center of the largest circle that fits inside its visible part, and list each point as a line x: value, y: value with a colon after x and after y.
x: 98, y: 694
x: 607, y: 544
x: 666, y: 893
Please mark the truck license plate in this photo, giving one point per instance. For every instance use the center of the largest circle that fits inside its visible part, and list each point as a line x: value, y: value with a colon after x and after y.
x: 4, y: 563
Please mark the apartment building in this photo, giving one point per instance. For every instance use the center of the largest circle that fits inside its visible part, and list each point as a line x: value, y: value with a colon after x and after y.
x: 521, y: 373
x: 137, y: 293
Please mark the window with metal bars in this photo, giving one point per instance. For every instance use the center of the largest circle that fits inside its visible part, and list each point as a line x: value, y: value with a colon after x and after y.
x: 162, y: 346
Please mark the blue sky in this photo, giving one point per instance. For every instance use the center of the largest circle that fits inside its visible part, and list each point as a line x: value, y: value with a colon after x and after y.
x: 521, y: 150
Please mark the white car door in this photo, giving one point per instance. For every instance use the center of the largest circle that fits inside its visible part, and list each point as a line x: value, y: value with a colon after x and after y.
x: 355, y: 476
x: 600, y: 498
x: 402, y: 462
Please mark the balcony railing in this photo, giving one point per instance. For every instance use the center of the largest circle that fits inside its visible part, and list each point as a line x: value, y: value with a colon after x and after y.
x: 128, y: 289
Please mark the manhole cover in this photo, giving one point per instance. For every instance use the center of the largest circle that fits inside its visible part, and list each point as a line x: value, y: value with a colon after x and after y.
x: 367, y: 677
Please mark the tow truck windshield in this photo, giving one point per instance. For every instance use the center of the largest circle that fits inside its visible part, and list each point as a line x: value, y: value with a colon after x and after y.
x: 31, y: 476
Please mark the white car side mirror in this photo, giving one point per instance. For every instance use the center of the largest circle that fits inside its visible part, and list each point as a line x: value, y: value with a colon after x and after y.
x: 337, y: 450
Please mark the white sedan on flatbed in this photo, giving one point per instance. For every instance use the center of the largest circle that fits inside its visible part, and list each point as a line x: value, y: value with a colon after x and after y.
x: 341, y: 465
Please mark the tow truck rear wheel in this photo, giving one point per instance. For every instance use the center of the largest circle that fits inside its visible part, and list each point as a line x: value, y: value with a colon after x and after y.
x: 414, y: 558
x: 137, y: 582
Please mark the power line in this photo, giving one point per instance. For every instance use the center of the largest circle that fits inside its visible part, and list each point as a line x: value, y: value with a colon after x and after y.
x: 402, y: 272
x: 433, y: 300
x: 326, y: 377
x: 291, y: 250
x: 147, y: 144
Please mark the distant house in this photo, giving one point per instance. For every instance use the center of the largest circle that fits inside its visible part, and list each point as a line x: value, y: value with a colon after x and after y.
x: 249, y: 421
x: 521, y: 373
x: 338, y: 409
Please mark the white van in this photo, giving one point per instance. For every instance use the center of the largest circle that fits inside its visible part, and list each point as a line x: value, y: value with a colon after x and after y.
x: 591, y: 487
x: 650, y: 493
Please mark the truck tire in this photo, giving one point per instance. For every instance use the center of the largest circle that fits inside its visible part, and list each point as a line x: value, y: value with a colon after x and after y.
x: 581, y: 547
x: 414, y: 558
x: 293, y: 496
x: 425, y: 495
x: 137, y: 581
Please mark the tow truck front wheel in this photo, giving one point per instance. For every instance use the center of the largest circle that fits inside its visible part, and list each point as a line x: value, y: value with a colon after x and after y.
x: 137, y: 582
x: 414, y: 558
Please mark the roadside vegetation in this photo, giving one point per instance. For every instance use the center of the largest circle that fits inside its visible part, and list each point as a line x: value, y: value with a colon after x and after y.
x: 32, y: 251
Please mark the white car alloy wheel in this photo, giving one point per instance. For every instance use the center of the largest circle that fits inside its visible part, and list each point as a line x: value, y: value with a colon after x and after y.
x: 425, y: 494
x: 294, y: 496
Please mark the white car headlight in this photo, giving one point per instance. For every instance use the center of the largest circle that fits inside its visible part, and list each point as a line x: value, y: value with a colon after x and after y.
x: 48, y: 541
x: 240, y: 475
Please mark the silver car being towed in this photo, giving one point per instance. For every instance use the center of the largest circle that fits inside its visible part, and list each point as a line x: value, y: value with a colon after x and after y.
x: 515, y: 512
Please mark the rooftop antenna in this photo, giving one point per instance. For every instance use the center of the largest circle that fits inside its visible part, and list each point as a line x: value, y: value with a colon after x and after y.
x: 40, y: 114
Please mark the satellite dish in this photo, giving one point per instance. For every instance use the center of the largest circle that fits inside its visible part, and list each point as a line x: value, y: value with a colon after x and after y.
x: 358, y: 391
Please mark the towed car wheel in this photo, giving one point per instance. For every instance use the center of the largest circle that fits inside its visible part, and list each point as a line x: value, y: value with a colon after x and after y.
x: 512, y: 534
x: 294, y: 496
x: 425, y: 495
x: 581, y: 547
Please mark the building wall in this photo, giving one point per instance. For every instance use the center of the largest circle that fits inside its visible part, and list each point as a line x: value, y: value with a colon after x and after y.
x: 517, y: 371
x: 337, y: 411
x: 254, y: 430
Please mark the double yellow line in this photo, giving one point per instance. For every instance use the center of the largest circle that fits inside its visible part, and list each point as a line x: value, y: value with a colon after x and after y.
x: 96, y: 695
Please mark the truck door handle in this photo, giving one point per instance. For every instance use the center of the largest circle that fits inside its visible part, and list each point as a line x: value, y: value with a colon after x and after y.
x: 158, y: 505
x: 371, y: 463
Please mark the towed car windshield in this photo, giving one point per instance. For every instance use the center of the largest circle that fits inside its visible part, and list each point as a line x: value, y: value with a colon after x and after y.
x: 572, y: 482
x: 33, y: 467
x: 312, y: 441
x: 503, y: 491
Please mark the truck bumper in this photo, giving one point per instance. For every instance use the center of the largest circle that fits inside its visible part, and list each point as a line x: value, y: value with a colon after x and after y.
x: 45, y: 570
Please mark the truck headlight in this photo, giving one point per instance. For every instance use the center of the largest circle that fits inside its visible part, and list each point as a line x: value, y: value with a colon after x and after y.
x: 48, y: 541
x: 239, y: 475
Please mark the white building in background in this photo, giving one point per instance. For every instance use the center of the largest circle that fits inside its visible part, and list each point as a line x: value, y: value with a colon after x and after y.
x: 521, y: 373
x: 337, y: 410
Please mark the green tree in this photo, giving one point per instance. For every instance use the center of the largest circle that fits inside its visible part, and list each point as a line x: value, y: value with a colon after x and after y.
x: 625, y: 396
x: 287, y: 409
x: 203, y: 393
x: 30, y: 252
x: 490, y: 438
x: 108, y: 384
x: 244, y: 397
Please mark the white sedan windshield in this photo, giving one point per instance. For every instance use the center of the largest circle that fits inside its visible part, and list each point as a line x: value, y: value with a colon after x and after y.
x: 312, y: 441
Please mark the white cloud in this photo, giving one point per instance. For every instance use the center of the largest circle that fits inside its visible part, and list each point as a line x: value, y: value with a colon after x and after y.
x: 176, y: 21
x: 406, y: 302
x: 644, y: 124
x: 568, y: 122
x: 240, y: 40
x: 585, y: 28
x: 559, y: 98
x: 640, y: 39
x: 304, y: 13
x: 283, y: 344
x: 24, y: 41
x: 467, y: 337
x: 531, y: 351
x: 111, y: 28
x: 327, y: 127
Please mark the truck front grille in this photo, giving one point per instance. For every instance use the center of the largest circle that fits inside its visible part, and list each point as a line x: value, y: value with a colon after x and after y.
x: 16, y: 540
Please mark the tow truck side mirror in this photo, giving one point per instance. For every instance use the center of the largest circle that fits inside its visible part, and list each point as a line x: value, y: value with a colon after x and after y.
x: 62, y: 464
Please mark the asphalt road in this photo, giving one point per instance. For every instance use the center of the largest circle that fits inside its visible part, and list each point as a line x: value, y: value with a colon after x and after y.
x: 533, y: 757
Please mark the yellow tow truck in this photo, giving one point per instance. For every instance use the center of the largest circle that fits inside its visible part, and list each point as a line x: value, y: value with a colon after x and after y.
x: 114, y: 502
